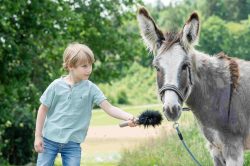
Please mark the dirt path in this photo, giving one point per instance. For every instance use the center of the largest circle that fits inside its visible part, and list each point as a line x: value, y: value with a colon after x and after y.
x: 105, y: 143
x: 115, y: 132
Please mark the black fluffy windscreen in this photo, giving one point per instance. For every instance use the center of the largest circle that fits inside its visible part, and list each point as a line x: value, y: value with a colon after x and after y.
x: 150, y: 118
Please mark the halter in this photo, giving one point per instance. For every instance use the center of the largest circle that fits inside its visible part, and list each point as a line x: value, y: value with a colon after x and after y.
x: 174, y: 88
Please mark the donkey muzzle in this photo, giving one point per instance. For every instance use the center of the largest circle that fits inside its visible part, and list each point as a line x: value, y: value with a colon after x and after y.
x: 172, y: 113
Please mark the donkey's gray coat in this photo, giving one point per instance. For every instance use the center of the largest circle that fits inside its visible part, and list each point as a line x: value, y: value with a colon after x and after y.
x: 225, y: 122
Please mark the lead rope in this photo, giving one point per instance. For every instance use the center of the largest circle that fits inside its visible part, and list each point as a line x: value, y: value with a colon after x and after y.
x: 176, y: 126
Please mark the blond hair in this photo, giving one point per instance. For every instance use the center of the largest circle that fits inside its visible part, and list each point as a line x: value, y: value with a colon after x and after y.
x: 77, y: 54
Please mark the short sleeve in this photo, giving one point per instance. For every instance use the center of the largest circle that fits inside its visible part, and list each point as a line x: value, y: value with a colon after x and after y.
x: 48, y: 95
x: 98, y: 95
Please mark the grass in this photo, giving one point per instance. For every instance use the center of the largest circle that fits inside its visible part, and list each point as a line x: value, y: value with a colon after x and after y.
x: 168, y: 150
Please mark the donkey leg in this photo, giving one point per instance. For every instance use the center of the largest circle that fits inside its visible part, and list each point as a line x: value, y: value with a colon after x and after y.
x: 216, y: 153
x: 234, y: 153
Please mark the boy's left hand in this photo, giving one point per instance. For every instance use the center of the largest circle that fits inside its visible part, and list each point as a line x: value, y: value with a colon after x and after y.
x: 132, y: 122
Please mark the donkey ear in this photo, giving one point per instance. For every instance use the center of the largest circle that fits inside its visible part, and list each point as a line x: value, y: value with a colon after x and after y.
x: 190, y: 32
x: 150, y: 33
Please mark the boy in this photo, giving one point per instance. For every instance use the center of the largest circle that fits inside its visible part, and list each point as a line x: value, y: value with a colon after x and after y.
x: 65, y: 111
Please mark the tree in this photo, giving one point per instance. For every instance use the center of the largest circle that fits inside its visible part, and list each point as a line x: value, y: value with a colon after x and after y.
x: 228, y: 10
x: 214, y: 35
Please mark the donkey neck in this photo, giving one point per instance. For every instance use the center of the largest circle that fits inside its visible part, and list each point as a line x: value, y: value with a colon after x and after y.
x: 209, y: 99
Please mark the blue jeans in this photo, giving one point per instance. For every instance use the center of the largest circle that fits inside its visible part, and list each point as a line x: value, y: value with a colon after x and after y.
x: 70, y: 152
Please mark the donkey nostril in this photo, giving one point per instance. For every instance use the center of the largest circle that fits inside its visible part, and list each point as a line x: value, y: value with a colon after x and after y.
x: 175, y: 109
x: 179, y: 108
x: 166, y: 109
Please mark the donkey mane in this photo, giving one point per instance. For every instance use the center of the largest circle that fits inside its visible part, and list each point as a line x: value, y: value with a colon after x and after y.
x: 170, y: 39
x: 233, y: 68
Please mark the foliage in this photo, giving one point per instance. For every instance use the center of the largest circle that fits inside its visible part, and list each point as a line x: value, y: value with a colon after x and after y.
x: 17, y: 147
x: 231, y: 37
x: 213, y: 29
x: 16, y: 137
x: 138, y: 87
x: 122, y: 98
x: 239, y: 39
x: 172, y: 17
x: 227, y: 10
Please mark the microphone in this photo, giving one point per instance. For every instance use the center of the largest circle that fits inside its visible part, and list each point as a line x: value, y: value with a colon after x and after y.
x: 146, y: 118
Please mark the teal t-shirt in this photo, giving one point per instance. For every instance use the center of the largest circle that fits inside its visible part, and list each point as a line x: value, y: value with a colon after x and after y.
x: 69, y: 109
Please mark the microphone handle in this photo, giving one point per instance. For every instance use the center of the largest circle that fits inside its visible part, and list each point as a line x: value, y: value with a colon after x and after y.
x: 125, y: 123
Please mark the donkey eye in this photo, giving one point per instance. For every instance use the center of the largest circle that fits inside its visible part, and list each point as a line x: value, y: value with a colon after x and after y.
x: 184, y: 66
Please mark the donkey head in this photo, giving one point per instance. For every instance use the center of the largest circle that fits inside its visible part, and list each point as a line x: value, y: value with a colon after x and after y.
x: 172, y: 60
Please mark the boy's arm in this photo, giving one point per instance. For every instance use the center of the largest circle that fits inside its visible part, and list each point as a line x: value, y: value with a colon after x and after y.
x: 41, y: 115
x: 115, y: 111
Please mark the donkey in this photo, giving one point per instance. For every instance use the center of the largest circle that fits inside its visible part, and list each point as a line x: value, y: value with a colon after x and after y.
x: 216, y: 87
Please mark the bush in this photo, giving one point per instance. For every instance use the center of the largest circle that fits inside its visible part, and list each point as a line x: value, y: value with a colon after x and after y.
x: 18, y: 147
x: 17, y: 138
x: 137, y: 88
x: 122, y: 98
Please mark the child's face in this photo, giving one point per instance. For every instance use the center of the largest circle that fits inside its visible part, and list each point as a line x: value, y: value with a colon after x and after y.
x: 82, y: 72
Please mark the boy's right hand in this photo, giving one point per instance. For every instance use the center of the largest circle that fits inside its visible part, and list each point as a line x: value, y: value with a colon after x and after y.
x: 132, y: 122
x: 38, y: 144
